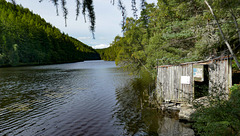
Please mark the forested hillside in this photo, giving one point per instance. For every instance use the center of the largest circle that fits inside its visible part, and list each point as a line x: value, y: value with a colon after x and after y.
x: 175, y: 31
x: 26, y: 39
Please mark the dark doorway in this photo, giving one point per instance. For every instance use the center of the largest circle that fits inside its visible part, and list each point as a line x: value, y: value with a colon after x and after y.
x: 236, y: 77
x: 201, y: 88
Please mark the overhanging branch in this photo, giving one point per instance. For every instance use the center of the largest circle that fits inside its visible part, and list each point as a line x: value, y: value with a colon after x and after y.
x: 221, y: 32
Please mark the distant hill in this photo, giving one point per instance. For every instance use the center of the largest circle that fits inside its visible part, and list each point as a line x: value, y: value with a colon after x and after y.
x: 27, y: 39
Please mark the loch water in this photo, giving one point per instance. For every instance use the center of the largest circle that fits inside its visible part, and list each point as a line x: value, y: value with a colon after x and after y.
x: 77, y: 99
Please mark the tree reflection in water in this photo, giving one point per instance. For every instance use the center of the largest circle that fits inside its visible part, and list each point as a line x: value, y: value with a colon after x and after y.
x: 133, y: 112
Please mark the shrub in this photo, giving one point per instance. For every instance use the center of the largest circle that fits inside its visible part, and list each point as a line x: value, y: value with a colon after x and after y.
x: 220, y: 117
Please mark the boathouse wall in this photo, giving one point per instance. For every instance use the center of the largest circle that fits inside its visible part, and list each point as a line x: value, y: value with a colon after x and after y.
x: 176, y: 83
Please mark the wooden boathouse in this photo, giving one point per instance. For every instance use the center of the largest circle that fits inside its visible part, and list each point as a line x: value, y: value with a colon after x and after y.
x: 187, y: 81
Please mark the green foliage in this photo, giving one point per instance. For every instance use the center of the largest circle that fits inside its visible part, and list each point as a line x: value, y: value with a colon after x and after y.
x: 111, y: 52
x: 26, y: 39
x: 172, y: 32
x: 234, y: 65
x: 221, y: 116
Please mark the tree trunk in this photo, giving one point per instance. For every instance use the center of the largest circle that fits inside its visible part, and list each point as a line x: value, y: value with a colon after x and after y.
x: 225, y: 41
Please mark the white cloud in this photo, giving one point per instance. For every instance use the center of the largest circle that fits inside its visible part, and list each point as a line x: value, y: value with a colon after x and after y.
x: 100, y: 46
x: 83, y: 38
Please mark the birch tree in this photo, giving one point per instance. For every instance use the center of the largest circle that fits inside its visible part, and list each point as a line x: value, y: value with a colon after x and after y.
x: 222, y: 34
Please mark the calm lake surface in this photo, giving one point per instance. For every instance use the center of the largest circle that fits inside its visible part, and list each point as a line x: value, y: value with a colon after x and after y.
x: 85, y: 98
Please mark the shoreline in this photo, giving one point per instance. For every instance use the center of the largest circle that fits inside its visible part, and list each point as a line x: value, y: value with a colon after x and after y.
x: 42, y: 64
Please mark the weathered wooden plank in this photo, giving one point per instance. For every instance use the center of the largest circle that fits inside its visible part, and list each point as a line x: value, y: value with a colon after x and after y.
x: 221, y: 76
x: 166, y: 80
x: 222, y: 69
x: 179, y: 82
x: 162, y: 83
x: 169, y: 83
x: 158, y: 84
x: 229, y: 73
x: 165, y: 85
x: 224, y: 76
x: 175, y: 83
x: 181, y: 87
x: 190, y: 95
x: 185, y: 86
x: 172, y: 84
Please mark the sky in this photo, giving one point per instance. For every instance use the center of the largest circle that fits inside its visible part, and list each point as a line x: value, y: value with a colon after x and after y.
x: 108, y: 19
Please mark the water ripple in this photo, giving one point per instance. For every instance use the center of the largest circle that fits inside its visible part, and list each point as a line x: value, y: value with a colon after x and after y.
x: 86, y: 98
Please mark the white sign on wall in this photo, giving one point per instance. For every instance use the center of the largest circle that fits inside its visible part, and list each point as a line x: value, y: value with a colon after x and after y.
x: 185, y: 80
